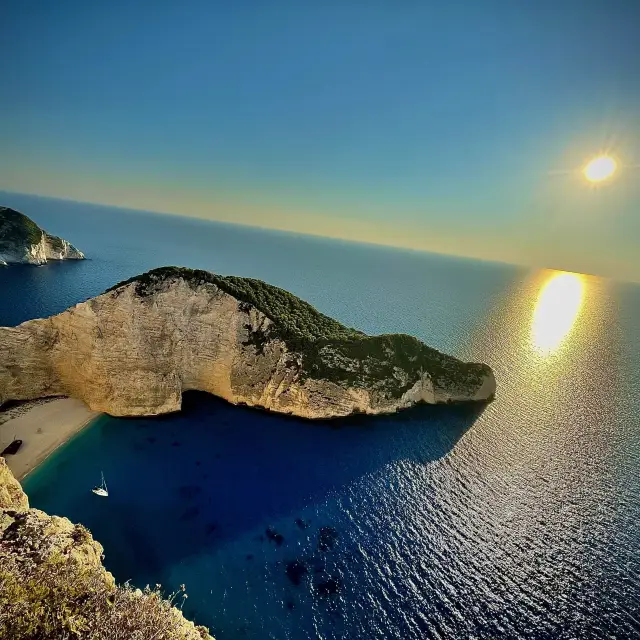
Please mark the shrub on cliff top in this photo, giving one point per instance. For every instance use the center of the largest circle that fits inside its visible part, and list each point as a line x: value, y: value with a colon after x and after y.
x: 57, y: 244
x: 59, y: 599
x: 16, y: 228
x: 294, y: 316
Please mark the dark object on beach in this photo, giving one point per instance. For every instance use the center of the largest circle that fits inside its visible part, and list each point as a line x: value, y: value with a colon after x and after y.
x: 274, y: 536
x: 296, y: 570
x: 302, y: 524
x: 329, y: 587
x: 12, y: 448
x: 327, y: 538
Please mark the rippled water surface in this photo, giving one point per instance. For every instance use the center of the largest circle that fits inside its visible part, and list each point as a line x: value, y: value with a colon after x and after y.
x: 519, y: 521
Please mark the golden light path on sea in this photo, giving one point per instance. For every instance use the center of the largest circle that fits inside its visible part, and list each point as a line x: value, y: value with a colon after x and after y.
x: 556, y: 311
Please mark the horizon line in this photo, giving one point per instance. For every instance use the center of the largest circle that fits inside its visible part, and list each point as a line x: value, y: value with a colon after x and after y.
x: 308, y: 234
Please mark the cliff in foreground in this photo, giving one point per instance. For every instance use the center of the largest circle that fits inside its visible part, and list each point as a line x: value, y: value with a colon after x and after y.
x: 53, y: 584
x: 136, y: 348
x: 23, y: 241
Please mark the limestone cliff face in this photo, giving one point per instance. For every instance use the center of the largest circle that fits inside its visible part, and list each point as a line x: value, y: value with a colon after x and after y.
x: 136, y: 348
x: 23, y: 241
x: 11, y: 494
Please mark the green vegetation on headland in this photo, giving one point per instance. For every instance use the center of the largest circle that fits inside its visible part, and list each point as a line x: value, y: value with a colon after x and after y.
x: 57, y: 244
x: 17, y: 229
x: 23, y: 241
x: 390, y: 364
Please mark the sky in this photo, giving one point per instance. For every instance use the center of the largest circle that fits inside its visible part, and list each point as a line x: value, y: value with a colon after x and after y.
x: 455, y: 127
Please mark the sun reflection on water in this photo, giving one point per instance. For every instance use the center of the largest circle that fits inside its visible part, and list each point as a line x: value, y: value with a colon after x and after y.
x: 556, y: 311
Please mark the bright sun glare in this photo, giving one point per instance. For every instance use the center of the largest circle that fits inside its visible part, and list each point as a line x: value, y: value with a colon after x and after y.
x: 556, y: 311
x: 599, y: 169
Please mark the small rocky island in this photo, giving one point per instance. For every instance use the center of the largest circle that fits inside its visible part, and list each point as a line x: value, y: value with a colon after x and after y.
x: 23, y: 241
x: 136, y: 348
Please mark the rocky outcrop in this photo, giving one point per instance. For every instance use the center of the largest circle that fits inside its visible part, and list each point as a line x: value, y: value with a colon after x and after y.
x: 136, y: 348
x: 25, y: 531
x: 11, y: 494
x: 53, y: 583
x: 23, y: 241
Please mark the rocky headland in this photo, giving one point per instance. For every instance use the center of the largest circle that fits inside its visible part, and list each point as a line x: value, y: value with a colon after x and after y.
x: 137, y: 347
x: 23, y: 241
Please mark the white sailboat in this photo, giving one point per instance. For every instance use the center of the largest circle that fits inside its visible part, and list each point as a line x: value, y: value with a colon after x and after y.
x: 102, y: 489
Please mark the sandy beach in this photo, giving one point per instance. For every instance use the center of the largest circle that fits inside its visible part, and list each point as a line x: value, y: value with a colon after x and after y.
x: 42, y: 426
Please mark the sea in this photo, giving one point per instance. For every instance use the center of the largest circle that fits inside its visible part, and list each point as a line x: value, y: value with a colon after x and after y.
x: 517, y: 520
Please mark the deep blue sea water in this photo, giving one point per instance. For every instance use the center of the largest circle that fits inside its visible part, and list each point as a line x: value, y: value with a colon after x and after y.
x: 519, y: 521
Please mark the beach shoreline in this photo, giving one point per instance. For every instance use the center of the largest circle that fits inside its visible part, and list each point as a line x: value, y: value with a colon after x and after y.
x: 42, y: 426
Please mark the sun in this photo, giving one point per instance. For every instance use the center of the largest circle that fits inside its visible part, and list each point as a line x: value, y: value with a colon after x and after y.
x: 600, y: 168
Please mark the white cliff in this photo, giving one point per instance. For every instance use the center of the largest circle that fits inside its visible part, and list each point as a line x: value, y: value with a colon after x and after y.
x: 136, y: 348
x: 23, y: 241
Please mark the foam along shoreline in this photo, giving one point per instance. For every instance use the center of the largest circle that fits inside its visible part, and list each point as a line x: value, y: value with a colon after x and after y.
x: 42, y: 427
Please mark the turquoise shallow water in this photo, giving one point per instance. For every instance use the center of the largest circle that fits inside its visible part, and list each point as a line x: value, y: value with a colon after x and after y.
x: 519, y: 521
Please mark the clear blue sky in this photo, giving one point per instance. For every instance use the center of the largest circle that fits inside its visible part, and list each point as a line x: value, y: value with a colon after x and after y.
x: 436, y: 125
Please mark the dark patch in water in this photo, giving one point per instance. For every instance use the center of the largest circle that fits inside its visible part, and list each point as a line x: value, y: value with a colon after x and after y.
x: 327, y: 538
x: 302, y: 524
x: 296, y: 570
x: 290, y: 605
x: 211, y: 527
x: 249, y: 556
x: 190, y: 513
x: 274, y: 536
x: 197, y: 463
x: 151, y: 439
x: 328, y: 587
x: 175, y: 443
x: 189, y: 491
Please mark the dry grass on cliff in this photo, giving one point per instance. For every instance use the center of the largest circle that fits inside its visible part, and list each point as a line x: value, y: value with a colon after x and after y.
x: 61, y: 600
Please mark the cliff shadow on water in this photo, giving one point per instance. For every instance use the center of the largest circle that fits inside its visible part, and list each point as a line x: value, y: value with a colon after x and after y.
x: 185, y: 484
